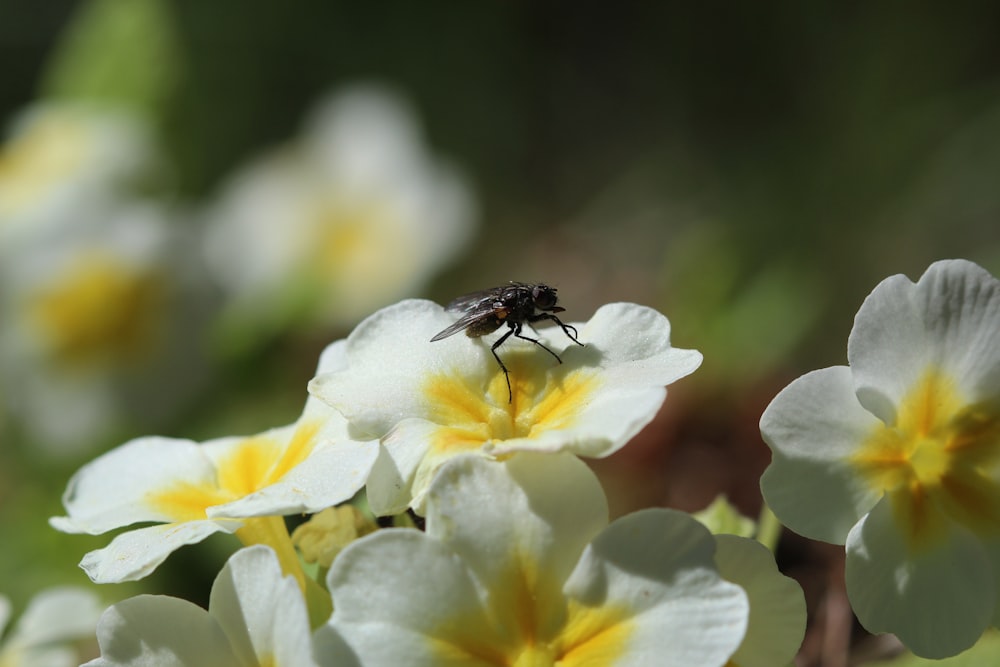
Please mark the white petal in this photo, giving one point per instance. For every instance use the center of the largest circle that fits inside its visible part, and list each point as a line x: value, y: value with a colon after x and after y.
x: 634, y: 342
x: 161, y: 631
x: 938, y: 602
x: 261, y: 611
x: 390, y: 357
x: 948, y: 320
x: 391, y: 593
x: 111, y: 491
x: 393, y: 484
x: 777, y: 606
x: 658, y: 564
x: 812, y: 427
x: 332, y: 473
x: 529, y: 529
x: 57, y: 614
x: 136, y: 553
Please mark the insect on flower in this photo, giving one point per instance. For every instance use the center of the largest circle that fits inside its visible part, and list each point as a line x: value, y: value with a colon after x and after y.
x: 515, y: 304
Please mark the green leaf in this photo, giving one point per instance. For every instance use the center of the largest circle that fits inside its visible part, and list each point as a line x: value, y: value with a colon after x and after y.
x: 121, y: 52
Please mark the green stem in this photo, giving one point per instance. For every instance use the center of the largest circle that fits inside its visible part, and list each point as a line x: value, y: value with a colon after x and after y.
x: 768, y: 528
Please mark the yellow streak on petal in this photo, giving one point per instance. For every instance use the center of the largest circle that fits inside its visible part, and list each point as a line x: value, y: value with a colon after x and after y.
x: 250, y: 465
x: 184, y: 501
x: 263, y: 460
x: 536, y: 626
x: 595, y: 635
x: 938, y: 460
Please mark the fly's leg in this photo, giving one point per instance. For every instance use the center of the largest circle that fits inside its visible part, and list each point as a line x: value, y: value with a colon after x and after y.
x: 517, y: 334
x: 506, y: 373
x: 567, y: 328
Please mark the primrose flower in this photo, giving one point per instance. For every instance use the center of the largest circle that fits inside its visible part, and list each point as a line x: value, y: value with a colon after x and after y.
x: 431, y: 401
x: 256, y: 616
x: 241, y: 485
x: 898, y: 456
x: 45, y: 634
x: 56, y: 156
x: 90, y: 310
x: 354, y: 215
x: 518, y: 566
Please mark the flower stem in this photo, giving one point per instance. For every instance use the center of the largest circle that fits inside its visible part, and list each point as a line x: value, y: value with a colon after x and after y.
x: 768, y: 528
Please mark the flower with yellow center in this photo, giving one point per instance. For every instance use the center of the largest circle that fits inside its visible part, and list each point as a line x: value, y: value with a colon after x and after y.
x: 241, y: 485
x: 353, y: 215
x: 898, y: 456
x: 256, y: 616
x: 428, y: 402
x: 519, y: 568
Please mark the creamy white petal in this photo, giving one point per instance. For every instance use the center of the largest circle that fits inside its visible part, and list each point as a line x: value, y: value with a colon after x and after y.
x: 535, y: 535
x: 134, y: 554
x: 261, y: 611
x: 657, y: 564
x: 938, y: 600
x: 161, y: 631
x: 812, y: 427
x: 949, y: 320
x: 112, y: 490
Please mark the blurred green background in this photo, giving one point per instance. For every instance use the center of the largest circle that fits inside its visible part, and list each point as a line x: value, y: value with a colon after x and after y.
x: 752, y: 170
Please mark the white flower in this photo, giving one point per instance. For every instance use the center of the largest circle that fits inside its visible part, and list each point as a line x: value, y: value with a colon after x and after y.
x: 519, y: 567
x: 54, y: 619
x: 241, y: 485
x: 431, y: 401
x: 355, y: 215
x: 898, y: 455
x: 90, y: 309
x: 255, y: 617
x: 56, y: 156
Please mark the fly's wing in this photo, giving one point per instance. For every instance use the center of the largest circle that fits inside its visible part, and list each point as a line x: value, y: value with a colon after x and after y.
x: 475, y: 306
x: 480, y: 310
x: 474, y: 300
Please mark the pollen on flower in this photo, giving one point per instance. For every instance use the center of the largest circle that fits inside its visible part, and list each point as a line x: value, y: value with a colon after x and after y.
x: 542, y: 398
x: 932, y: 462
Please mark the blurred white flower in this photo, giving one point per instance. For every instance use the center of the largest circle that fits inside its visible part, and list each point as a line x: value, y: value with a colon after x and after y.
x: 354, y: 215
x: 57, y: 155
x: 52, y: 622
x: 91, y: 309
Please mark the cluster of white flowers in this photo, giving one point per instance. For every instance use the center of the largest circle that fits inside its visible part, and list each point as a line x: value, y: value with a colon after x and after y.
x: 517, y: 563
x: 108, y: 286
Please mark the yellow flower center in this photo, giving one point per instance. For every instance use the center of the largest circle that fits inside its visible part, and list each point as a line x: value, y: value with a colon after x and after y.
x: 255, y: 463
x: 539, y: 628
x: 543, y: 397
x: 51, y: 149
x: 938, y: 460
x: 98, y: 311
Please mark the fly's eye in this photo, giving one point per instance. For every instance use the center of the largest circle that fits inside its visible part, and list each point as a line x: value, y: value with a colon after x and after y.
x: 544, y: 297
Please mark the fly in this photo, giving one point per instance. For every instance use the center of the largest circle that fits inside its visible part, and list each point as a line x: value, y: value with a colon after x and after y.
x: 515, y: 305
